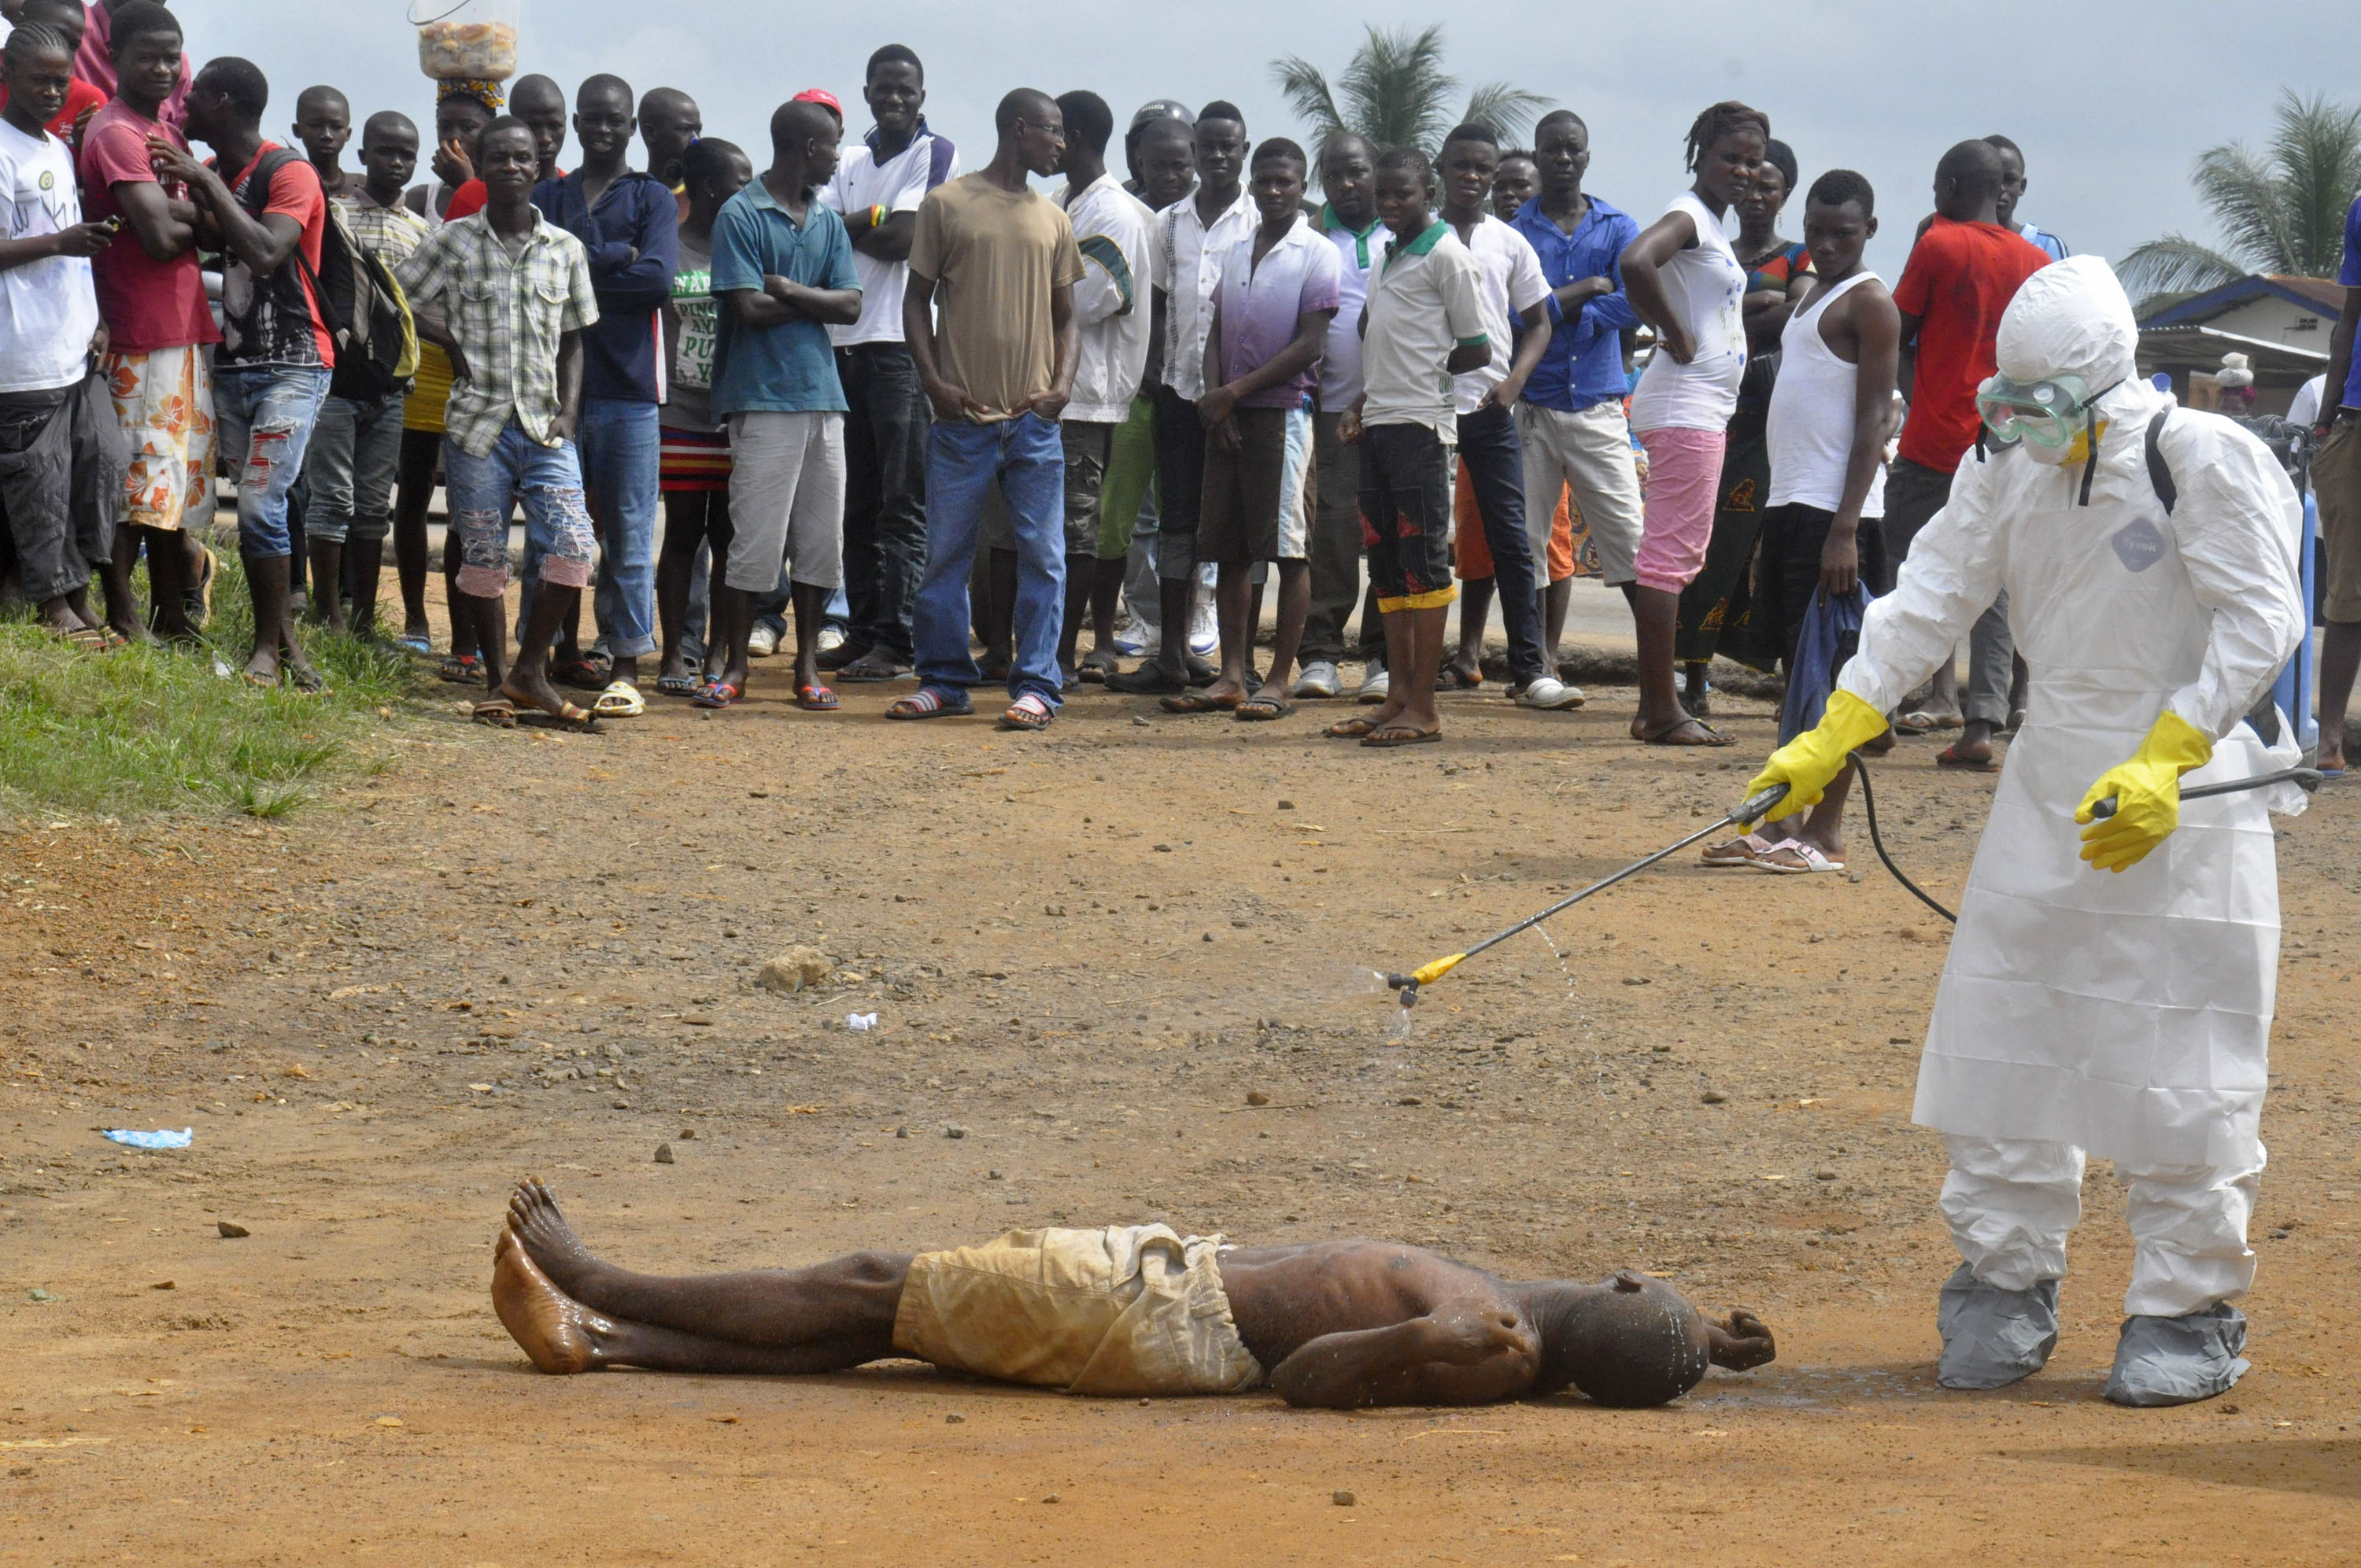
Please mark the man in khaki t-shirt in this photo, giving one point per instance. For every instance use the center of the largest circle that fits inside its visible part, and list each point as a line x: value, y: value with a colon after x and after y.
x: 1001, y: 263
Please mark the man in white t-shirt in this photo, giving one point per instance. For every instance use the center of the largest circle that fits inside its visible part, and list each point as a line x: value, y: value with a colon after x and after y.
x: 1111, y: 308
x: 877, y: 189
x: 1348, y: 174
x: 1423, y: 324
x: 1490, y: 499
x: 1192, y: 237
x: 61, y: 451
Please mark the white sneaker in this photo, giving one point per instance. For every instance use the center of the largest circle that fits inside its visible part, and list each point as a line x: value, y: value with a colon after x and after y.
x: 1134, y: 636
x: 762, y: 643
x: 831, y: 638
x: 1204, y: 632
x: 1549, y: 691
x: 1375, y: 685
x: 1318, y: 680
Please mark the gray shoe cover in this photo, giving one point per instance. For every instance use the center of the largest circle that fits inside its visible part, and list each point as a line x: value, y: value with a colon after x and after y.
x: 2178, y: 1361
x: 1993, y: 1337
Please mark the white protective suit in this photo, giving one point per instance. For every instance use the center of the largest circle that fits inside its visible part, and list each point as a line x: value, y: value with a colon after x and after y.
x: 2126, y: 1014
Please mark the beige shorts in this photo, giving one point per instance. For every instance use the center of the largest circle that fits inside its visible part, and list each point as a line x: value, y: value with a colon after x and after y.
x: 1129, y: 1310
x: 2337, y: 481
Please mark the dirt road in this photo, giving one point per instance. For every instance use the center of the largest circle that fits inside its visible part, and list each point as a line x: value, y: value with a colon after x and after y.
x: 1110, y: 970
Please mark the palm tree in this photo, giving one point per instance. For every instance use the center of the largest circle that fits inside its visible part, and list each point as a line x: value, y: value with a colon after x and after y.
x: 2279, y: 211
x: 1395, y: 91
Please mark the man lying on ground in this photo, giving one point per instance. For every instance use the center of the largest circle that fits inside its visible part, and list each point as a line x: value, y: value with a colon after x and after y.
x: 1125, y: 1311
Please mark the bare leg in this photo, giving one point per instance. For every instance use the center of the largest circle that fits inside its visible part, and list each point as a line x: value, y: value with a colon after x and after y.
x: 467, y: 641
x: 1106, y: 591
x: 1475, y: 612
x: 1556, y: 600
x: 1294, y: 609
x: 167, y: 574
x: 1662, y: 720
x: 367, y: 557
x: 850, y: 1299
x: 1231, y: 592
x: 676, y: 565
x: 327, y: 571
x: 413, y: 490
x: 562, y: 1335
x: 528, y: 680
x: 997, y: 632
x: 2340, y: 658
x: 114, y: 575
x: 1081, y: 578
x: 811, y: 602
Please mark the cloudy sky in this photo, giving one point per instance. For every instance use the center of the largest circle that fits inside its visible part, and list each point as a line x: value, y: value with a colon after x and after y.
x: 2111, y: 99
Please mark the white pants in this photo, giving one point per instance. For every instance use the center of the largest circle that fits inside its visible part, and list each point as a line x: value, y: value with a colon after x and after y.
x: 1590, y: 452
x: 786, y: 499
x: 2011, y: 1203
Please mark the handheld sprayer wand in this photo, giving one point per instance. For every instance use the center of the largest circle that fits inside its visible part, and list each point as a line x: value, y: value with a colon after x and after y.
x: 1748, y: 812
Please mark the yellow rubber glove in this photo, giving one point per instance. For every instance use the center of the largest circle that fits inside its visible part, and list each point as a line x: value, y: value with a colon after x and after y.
x: 2147, y: 795
x: 1810, y: 762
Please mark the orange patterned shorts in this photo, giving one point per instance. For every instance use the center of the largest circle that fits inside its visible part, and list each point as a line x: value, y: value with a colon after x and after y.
x: 164, y: 400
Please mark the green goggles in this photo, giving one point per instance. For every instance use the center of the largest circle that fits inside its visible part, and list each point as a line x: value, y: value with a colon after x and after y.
x: 2049, y: 413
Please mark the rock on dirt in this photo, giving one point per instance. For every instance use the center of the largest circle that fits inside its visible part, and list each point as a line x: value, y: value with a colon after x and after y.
x: 664, y: 1153
x: 231, y: 1232
x: 795, y: 969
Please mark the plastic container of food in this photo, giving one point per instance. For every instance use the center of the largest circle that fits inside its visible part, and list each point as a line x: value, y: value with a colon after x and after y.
x: 473, y: 41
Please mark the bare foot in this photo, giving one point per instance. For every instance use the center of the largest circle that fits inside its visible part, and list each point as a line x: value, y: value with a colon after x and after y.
x: 1681, y: 732
x: 551, y: 1327
x: 542, y: 1228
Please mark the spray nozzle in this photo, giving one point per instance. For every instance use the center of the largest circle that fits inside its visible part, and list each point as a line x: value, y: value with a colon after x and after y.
x: 1407, y: 984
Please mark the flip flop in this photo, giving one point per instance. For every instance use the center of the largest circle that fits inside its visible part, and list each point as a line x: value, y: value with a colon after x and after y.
x: 1402, y: 735
x: 929, y: 702
x: 413, y: 642
x: 569, y: 715
x: 304, y: 681
x: 1452, y: 678
x: 1736, y: 854
x: 1801, y: 859
x: 498, y: 713
x: 677, y: 685
x: 1149, y: 679
x: 1097, y: 665
x: 91, y: 640
x: 1027, y: 713
x: 816, y: 700
x: 461, y: 669
x: 717, y: 693
x: 873, y: 666
x: 1356, y: 727
x: 582, y: 675
x: 1262, y: 708
x: 1663, y: 737
x: 621, y: 699
x: 1198, y: 702
x: 1949, y: 757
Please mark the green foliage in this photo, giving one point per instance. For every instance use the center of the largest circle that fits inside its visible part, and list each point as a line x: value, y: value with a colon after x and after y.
x: 148, y: 730
x: 2280, y: 210
x: 1396, y: 91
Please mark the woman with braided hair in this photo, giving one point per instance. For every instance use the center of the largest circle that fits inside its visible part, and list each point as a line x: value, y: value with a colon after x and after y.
x: 1684, y: 281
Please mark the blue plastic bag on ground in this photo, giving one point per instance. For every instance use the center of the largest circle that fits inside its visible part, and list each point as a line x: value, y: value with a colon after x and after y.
x: 163, y: 1139
x: 1830, y: 636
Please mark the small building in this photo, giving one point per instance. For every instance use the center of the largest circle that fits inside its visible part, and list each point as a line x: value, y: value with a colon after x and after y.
x: 2281, y: 324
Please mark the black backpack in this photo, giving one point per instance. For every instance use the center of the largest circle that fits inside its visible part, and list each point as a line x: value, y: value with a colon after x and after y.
x: 363, y: 305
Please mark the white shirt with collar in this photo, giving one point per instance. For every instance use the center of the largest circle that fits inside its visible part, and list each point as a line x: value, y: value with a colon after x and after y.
x: 1513, y: 284
x: 1189, y: 256
x: 899, y: 184
x: 1111, y: 303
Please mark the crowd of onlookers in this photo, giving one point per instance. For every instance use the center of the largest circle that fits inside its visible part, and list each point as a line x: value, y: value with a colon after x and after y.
x: 922, y: 410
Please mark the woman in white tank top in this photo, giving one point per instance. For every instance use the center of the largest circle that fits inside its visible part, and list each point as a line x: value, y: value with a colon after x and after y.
x: 1684, y: 279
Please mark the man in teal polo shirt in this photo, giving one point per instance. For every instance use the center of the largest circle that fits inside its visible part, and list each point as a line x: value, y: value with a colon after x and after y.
x: 782, y: 274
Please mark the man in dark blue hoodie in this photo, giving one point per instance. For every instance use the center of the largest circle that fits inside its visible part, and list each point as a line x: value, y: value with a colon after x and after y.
x: 630, y: 226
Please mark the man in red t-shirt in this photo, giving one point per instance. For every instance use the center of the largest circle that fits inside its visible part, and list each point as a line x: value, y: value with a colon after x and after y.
x: 153, y: 301
x: 1961, y: 275
x: 265, y: 203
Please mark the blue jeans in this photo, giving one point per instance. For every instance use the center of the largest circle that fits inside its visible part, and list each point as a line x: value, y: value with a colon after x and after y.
x: 558, y: 543
x: 1494, y: 456
x: 348, y: 470
x: 619, y: 439
x: 1027, y: 457
x: 262, y: 424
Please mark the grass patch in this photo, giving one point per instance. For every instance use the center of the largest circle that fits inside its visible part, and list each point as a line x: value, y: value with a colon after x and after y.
x: 150, y: 730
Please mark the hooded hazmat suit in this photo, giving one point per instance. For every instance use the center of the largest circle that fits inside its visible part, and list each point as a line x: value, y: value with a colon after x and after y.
x: 2123, y: 1014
